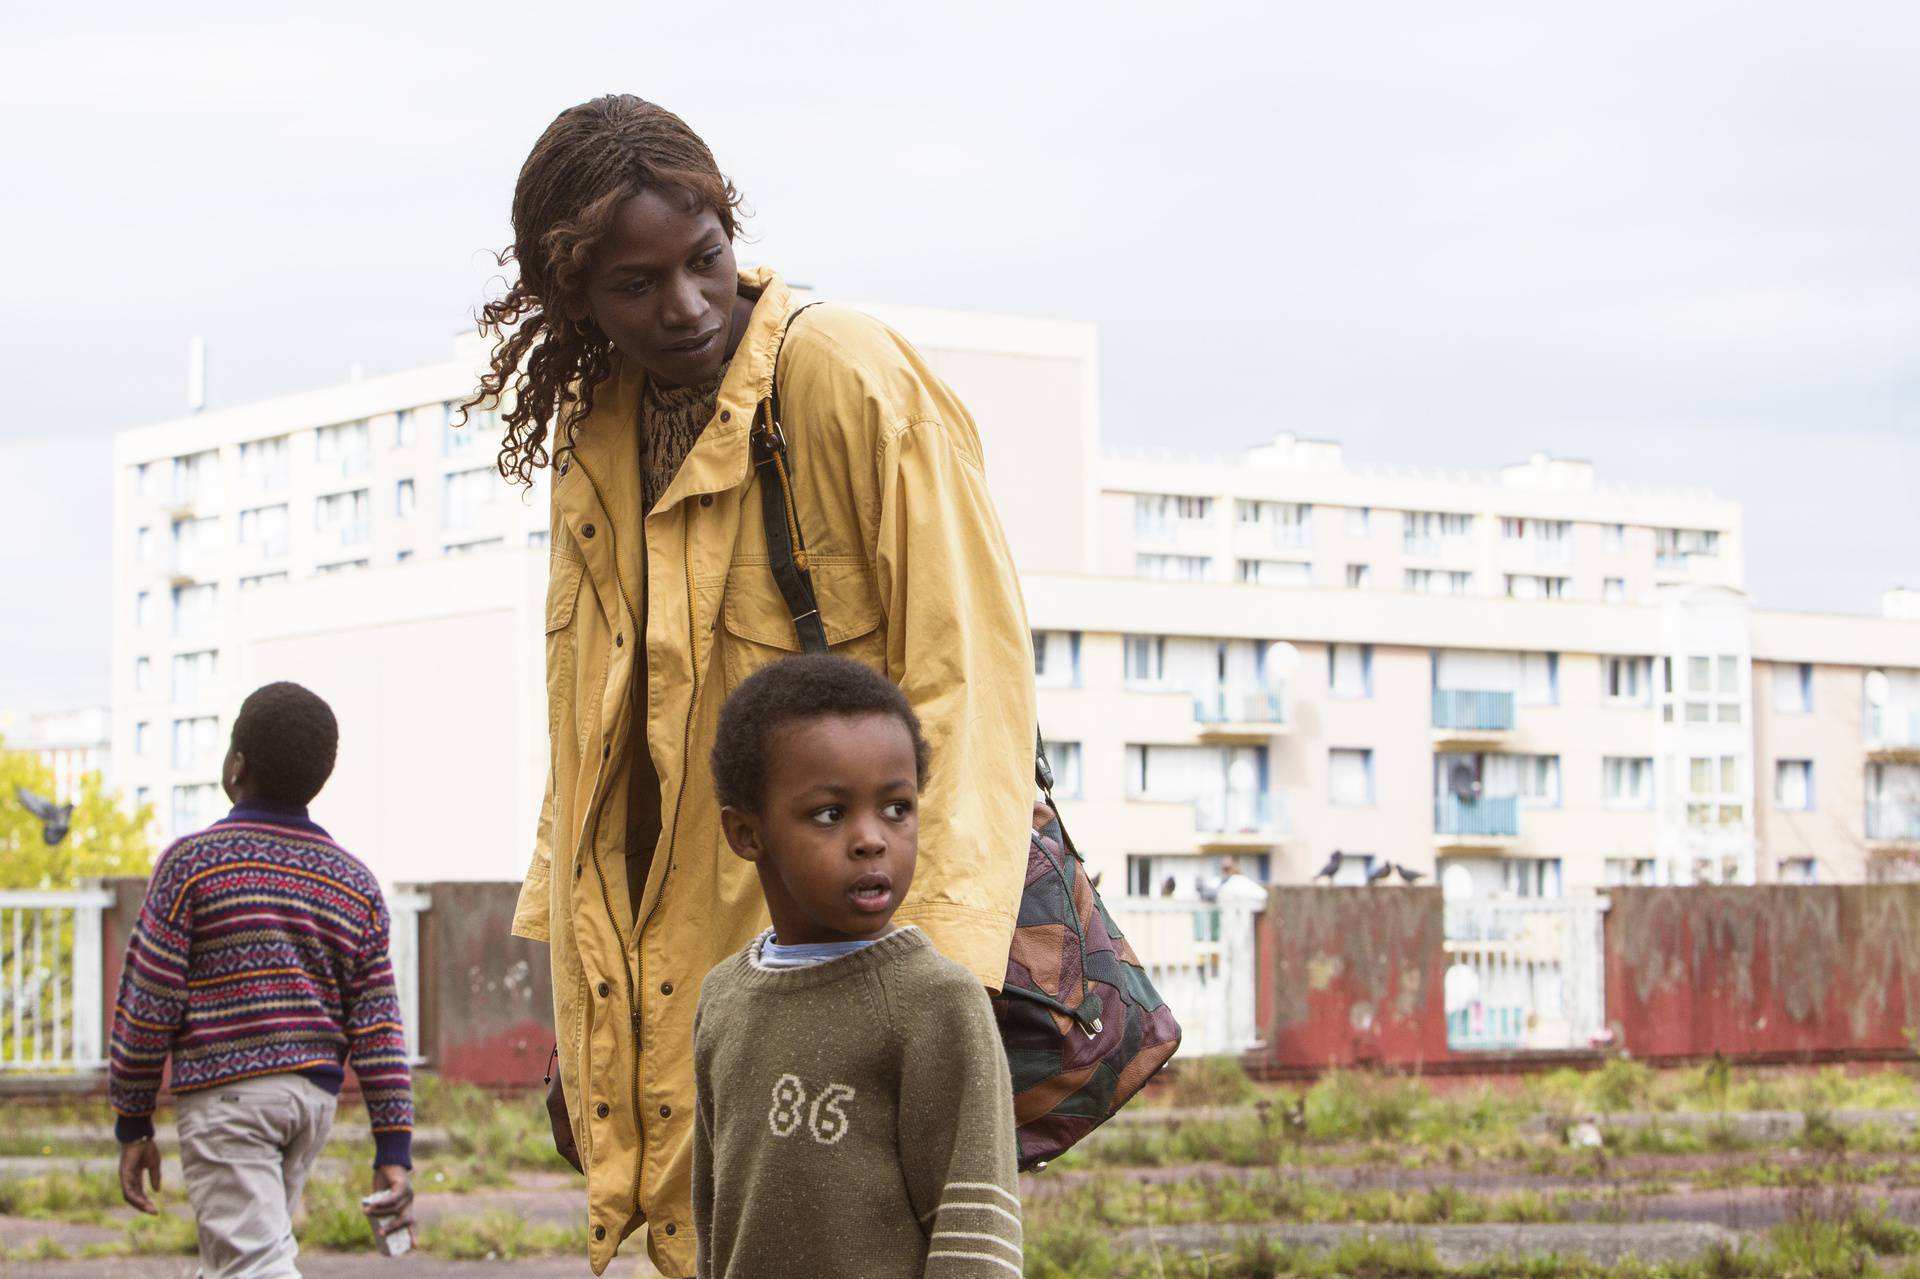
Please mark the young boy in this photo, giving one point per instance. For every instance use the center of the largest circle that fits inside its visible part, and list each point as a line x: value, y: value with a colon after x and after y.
x: 259, y: 964
x: 854, y: 1112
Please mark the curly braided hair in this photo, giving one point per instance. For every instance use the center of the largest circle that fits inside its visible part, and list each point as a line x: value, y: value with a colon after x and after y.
x: 590, y: 161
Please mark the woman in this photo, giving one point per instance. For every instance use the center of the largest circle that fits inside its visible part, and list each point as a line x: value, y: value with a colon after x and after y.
x: 635, y: 360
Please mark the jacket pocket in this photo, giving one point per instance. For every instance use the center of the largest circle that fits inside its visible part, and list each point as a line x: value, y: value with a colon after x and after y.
x: 759, y: 630
x: 564, y: 579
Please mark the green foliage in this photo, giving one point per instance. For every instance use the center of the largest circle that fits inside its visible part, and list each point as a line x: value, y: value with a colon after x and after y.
x: 1210, y: 1081
x: 499, y: 1236
x: 59, y: 1195
x: 1353, y: 1105
x: 103, y: 841
x: 489, y: 1135
x: 1621, y: 1084
x: 333, y: 1218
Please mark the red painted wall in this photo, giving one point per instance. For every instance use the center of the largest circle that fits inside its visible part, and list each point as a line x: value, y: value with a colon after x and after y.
x: 1352, y: 976
x: 1772, y: 970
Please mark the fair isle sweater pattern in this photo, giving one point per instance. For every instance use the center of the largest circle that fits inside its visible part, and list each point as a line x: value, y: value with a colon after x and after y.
x: 261, y: 949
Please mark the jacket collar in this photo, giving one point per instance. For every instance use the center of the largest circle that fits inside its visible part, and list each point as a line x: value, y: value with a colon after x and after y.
x: 607, y: 444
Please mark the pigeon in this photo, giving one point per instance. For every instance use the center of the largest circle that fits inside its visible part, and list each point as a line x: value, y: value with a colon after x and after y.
x: 1376, y: 876
x: 1409, y: 876
x: 54, y: 818
x: 1332, y: 867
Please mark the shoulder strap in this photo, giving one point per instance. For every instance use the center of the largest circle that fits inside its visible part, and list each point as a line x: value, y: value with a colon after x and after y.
x: 786, y: 548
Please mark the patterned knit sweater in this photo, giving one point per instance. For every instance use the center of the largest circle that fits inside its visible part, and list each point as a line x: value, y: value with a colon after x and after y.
x: 261, y: 949
x: 854, y: 1119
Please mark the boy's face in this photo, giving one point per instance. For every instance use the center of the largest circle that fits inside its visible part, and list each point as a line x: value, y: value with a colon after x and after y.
x: 837, y: 833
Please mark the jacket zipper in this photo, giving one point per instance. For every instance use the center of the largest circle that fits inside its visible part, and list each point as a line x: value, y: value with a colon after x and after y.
x: 600, y: 874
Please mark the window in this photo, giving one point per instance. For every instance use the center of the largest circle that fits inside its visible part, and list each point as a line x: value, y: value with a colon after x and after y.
x: 193, y: 807
x: 1627, y: 679
x: 1629, y: 871
x: 1627, y: 782
x: 142, y: 607
x: 142, y: 797
x: 1539, y: 679
x: 1671, y: 546
x: 1613, y: 536
x: 539, y: 537
x: 1275, y: 573
x: 405, y: 553
x: 1359, y: 521
x: 1359, y: 576
x: 1536, y: 781
x: 142, y: 673
x: 1614, y: 590
x: 1729, y: 675
x: 1546, y: 534
x: 1699, y: 675
x: 194, y: 674
x: 1433, y: 581
x: 1799, y: 870
x: 459, y: 440
x: 452, y: 549
x: 263, y: 463
x: 1064, y: 759
x: 403, y: 499
x: 403, y: 429
x: 195, y: 741
x: 1531, y: 876
x: 1527, y: 586
x: 339, y: 566
x: 1793, y: 688
x: 146, y: 479
x: 193, y: 608
x: 1713, y: 791
x: 1793, y: 784
x: 468, y: 495
x: 264, y: 528
x: 1422, y: 532
x: 1155, y: 514
x: 1350, y: 777
x: 194, y: 476
x: 1146, y: 659
x: 1056, y: 659
x: 143, y: 545
x: 140, y: 738
x: 258, y: 580
x: 342, y: 519
x: 1292, y: 522
x: 1350, y: 670
x: 341, y: 450
x: 1173, y: 568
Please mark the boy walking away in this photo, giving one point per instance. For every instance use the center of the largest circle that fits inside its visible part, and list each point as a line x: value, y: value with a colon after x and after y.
x: 855, y: 1116
x: 259, y: 964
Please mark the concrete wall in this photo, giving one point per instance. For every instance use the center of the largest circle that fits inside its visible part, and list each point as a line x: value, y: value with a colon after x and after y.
x: 1352, y: 976
x: 1764, y: 971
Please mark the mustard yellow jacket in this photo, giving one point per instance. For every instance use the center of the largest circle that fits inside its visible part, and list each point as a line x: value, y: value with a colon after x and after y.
x: 913, y: 577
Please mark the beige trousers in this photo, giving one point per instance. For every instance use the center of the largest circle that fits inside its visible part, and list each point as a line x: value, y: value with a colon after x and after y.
x: 246, y: 1148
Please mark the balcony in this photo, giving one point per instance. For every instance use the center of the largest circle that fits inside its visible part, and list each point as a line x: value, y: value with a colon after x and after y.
x: 1889, y: 821
x: 1475, y: 823
x: 1238, y: 823
x: 190, y: 565
x: 1240, y: 714
x: 1472, y: 716
x: 1893, y: 732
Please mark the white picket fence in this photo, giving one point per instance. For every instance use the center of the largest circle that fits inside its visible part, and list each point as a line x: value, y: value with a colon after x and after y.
x: 1525, y: 973
x: 1200, y: 956
x: 53, y: 1001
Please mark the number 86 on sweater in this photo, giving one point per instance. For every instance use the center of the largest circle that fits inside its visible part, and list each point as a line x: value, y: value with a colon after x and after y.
x: 825, y: 1119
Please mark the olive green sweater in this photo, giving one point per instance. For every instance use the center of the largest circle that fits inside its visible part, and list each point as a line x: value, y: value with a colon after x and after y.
x: 855, y: 1119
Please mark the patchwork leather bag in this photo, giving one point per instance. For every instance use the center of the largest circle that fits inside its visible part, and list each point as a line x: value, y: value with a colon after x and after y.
x: 1083, y: 1027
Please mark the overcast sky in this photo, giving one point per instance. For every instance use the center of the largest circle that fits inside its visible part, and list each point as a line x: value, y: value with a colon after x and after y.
x: 1678, y: 239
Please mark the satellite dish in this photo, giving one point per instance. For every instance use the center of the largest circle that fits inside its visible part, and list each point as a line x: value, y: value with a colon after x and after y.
x: 1879, y: 688
x: 1283, y: 659
x: 1456, y: 883
x: 1462, y: 987
x: 1462, y: 782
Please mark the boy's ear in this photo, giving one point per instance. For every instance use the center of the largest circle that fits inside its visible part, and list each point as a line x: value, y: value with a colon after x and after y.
x: 742, y: 830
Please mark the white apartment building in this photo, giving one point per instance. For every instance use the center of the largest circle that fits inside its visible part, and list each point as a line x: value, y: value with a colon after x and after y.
x: 1527, y: 684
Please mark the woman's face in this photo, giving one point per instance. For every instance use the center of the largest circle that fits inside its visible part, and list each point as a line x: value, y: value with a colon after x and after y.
x: 662, y: 287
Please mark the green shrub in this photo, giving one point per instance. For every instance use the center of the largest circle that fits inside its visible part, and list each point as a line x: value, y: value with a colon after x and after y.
x: 1621, y: 1084
x: 1210, y: 1081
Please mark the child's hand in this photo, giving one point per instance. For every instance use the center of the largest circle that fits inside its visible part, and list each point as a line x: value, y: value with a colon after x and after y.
x: 137, y: 1157
x: 395, y: 1187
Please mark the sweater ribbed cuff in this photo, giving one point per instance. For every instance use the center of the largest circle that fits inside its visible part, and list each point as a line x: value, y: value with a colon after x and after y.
x: 128, y: 1129
x: 393, y: 1148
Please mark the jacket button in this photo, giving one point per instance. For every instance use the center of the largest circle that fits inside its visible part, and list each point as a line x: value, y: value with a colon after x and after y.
x: 599, y: 1233
x: 706, y: 499
x: 726, y: 415
x: 670, y: 1229
x: 604, y: 988
x: 666, y: 988
x: 586, y: 530
x: 603, y: 1110
x: 666, y: 1112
